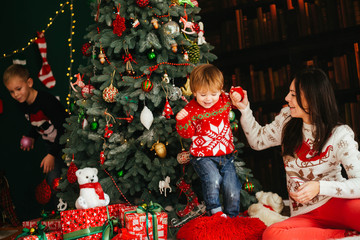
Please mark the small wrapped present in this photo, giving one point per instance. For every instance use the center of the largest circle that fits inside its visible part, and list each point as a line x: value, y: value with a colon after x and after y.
x: 89, y: 223
x: 51, y: 224
x: 53, y: 235
x: 123, y: 209
x: 148, y: 222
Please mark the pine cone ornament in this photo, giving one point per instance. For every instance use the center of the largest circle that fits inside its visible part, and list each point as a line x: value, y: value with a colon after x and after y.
x: 71, y: 173
x: 142, y: 3
x: 43, y: 192
x: 194, y: 53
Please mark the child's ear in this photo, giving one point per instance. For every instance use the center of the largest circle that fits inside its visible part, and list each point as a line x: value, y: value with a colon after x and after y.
x: 30, y: 82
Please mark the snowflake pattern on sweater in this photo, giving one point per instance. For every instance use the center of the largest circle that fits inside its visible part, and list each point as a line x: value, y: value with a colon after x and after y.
x: 209, y: 128
x: 307, y: 165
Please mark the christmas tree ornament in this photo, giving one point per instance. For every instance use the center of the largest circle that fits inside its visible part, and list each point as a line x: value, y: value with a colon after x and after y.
x: 43, y: 192
x: 79, y: 82
x: 248, y: 186
x: 108, y: 131
x: 85, y: 49
x: 175, y: 93
x: 55, y: 184
x: 120, y: 173
x: 151, y: 55
x: 26, y: 142
x: 186, y: 90
x: 200, y: 32
x: 194, y: 53
x: 142, y: 3
x: 186, y: 56
x: 135, y: 23
x: 171, y: 29
x: 146, y: 117
x: 183, y: 157
x: 164, y: 184
x: 192, y: 200
x: 109, y: 93
x: 45, y: 75
x: 93, y: 52
x: 231, y: 116
x: 155, y: 23
x: 94, y: 125
x: 119, y: 23
x: 174, y: 48
x: 238, y: 90
x: 167, y: 112
x: 187, y: 25
x: 182, y: 2
x: 71, y: 176
x: 101, y: 56
x: 129, y: 118
x: 84, y: 123
x: 160, y: 149
x: 234, y: 126
x: 62, y: 206
x: 87, y: 90
x: 147, y: 85
x: 128, y: 58
x: 102, y: 157
x: 165, y: 78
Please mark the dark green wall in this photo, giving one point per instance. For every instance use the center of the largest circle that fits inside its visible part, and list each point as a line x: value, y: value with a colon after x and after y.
x: 20, y: 19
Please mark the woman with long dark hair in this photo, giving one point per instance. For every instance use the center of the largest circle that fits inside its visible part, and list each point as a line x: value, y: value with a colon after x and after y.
x: 323, y: 203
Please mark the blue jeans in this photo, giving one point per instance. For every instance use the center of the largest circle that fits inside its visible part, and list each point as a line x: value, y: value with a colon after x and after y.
x: 215, y: 173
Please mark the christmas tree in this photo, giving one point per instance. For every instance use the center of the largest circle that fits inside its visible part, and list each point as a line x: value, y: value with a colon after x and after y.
x: 123, y: 104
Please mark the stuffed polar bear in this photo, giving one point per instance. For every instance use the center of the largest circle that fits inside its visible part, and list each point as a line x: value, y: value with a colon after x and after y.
x: 268, y: 208
x: 91, y: 192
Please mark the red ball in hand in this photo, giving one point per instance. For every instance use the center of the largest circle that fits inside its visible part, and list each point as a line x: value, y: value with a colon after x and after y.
x: 239, y: 90
x: 26, y: 142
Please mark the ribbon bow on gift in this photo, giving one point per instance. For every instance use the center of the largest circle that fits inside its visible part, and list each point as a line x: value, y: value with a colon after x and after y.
x: 152, y: 208
x: 40, y: 232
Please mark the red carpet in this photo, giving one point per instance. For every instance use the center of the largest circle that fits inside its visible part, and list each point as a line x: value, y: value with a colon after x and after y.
x: 219, y: 228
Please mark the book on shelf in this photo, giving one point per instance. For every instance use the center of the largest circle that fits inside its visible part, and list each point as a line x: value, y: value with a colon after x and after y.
x: 239, y: 28
x: 274, y: 22
x: 357, y: 61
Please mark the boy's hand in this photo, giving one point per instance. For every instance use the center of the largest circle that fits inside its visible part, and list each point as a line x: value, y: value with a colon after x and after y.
x: 27, y: 143
x: 182, y: 114
x: 237, y: 101
x: 48, y: 163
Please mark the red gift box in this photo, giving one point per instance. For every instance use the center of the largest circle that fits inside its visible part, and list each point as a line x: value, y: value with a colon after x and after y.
x: 87, y: 223
x: 51, y: 224
x: 125, y: 208
x: 54, y: 235
x: 135, y: 223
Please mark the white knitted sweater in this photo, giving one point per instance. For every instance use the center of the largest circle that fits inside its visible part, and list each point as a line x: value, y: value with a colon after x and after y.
x: 340, y: 149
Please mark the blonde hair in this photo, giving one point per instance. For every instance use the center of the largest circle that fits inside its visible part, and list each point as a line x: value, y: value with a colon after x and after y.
x: 15, y: 70
x: 206, y: 76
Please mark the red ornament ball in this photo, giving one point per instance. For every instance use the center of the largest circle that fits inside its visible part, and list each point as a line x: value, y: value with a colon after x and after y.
x: 85, y: 49
x: 86, y: 90
x: 55, y: 184
x: 147, y: 85
x: 142, y: 3
x: 43, y: 192
x: 26, y: 142
x: 71, y: 177
x: 239, y: 90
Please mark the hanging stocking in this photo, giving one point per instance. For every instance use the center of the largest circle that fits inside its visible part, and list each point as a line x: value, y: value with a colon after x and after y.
x: 45, y: 75
x: 192, y: 200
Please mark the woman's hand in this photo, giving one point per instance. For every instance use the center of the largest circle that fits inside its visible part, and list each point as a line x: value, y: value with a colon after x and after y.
x: 237, y: 101
x: 306, y: 192
x: 182, y: 114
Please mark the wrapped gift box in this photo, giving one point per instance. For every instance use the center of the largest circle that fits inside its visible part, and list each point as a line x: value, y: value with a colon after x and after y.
x: 53, y: 235
x: 51, y: 224
x: 87, y: 222
x: 135, y: 223
x: 125, y: 208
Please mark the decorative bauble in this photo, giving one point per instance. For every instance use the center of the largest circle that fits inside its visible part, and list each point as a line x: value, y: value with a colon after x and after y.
x: 155, y: 23
x: 55, y: 184
x: 85, y: 49
x: 101, y: 57
x: 43, y: 192
x: 119, y: 25
x: 194, y: 53
x: 146, y: 117
x: 172, y: 29
x: 94, y: 125
x: 147, y: 85
x: 109, y: 93
x: 142, y: 3
x: 234, y: 126
x: 175, y: 93
x: 238, y: 90
x: 151, y: 55
x: 174, y: 47
x: 71, y: 176
x: 231, y: 116
x: 26, y: 142
x: 84, y: 123
x: 160, y: 149
x: 248, y: 186
x: 183, y: 157
x: 120, y: 173
x: 87, y: 90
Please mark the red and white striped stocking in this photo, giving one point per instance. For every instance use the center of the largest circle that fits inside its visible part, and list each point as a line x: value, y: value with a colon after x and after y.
x: 45, y: 75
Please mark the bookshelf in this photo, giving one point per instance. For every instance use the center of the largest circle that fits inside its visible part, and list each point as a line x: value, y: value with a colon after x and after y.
x: 260, y: 43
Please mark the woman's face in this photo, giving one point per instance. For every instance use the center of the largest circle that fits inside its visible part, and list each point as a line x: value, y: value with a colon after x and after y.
x: 296, y: 110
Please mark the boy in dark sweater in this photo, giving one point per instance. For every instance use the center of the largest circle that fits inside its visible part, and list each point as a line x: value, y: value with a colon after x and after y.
x: 45, y: 114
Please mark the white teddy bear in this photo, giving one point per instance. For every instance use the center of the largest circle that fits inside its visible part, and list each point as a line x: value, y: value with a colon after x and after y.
x: 268, y: 208
x: 91, y: 192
